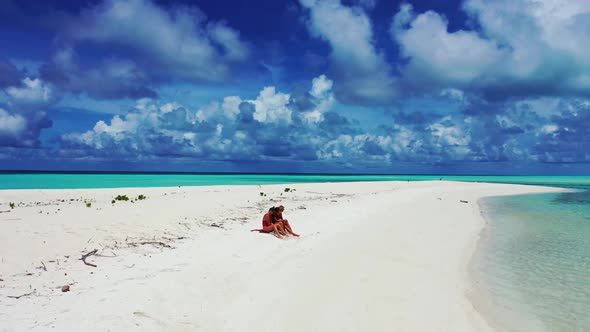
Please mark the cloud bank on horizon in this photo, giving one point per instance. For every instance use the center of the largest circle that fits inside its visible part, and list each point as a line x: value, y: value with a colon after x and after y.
x: 354, y: 86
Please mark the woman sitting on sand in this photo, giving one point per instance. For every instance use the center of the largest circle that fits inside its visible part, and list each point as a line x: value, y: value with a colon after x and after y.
x: 270, y: 224
x: 279, y: 217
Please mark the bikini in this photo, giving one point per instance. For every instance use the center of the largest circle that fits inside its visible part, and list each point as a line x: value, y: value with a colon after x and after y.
x: 265, y: 223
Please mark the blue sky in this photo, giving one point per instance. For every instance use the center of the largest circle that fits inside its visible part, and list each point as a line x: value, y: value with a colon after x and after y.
x: 360, y: 86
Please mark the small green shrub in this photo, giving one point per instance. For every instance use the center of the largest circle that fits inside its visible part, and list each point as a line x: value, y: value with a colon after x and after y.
x: 287, y: 190
x: 122, y: 198
x: 113, y: 201
x: 88, y: 204
x: 140, y: 197
x: 11, y: 205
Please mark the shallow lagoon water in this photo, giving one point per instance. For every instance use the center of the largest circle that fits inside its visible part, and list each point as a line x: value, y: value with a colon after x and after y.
x: 533, y: 262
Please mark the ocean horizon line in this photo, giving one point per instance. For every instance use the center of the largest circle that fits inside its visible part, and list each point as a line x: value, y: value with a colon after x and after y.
x: 12, y: 171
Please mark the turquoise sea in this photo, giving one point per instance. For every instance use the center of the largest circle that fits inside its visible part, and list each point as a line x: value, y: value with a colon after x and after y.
x: 112, y: 180
x: 532, y: 263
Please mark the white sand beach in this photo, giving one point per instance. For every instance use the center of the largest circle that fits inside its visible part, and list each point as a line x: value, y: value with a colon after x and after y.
x: 372, y: 256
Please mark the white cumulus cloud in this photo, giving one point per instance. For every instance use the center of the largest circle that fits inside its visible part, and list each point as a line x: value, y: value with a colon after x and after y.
x: 177, y: 42
x: 11, y: 124
x: 34, y: 94
x: 522, y: 48
x: 360, y: 71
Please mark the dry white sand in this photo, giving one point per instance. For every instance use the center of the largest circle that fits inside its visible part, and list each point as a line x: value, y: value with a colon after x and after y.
x: 377, y: 256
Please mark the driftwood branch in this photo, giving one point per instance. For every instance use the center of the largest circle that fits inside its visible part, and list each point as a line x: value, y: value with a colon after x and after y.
x: 44, y: 267
x: 156, y: 243
x: 174, y: 238
x: 19, y: 296
x: 159, y: 243
x: 83, y: 259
